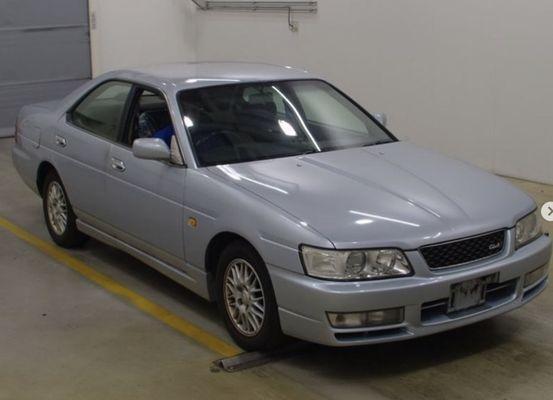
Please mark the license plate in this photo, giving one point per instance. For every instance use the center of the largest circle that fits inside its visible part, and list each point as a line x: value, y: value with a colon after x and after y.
x: 469, y: 294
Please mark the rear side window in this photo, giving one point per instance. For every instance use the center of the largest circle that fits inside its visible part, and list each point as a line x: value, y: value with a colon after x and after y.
x: 101, y: 111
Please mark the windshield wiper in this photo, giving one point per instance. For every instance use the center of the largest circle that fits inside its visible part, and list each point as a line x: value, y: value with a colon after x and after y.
x: 311, y: 151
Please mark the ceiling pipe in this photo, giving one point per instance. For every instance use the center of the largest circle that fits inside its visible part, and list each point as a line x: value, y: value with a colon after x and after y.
x: 266, y: 6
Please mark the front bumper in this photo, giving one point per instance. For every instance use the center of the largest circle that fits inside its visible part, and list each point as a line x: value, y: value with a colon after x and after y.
x: 303, y: 301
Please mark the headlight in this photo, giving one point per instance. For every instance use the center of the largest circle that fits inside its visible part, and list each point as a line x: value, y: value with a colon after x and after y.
x: 527, y: 229
x: 354, y: 264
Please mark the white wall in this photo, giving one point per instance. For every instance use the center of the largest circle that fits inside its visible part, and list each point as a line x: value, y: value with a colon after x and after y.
x: 472, y: 78
x: 141, y: 32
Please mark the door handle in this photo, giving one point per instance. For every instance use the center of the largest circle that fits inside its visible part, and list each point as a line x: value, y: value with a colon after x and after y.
x: 61, y: 141
x: 118, y: 165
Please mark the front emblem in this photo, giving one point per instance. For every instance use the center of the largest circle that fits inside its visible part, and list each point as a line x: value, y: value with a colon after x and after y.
x: 494, y: 246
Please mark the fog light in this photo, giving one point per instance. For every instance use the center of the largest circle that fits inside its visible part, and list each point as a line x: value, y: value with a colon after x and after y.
x: 532, y: 277
x: 390, y: 316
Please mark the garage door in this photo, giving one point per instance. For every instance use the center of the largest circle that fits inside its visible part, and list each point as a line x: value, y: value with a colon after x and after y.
x: 44, y: 52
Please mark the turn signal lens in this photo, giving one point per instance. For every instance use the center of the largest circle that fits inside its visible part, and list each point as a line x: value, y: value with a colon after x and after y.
x: 390, y: 316
x: 534, y: 276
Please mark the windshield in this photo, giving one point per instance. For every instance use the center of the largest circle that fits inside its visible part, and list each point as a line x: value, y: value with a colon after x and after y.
x: 253, y: 121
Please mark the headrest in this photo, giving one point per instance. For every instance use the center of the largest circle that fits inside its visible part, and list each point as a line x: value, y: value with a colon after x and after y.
x: 261, y: 98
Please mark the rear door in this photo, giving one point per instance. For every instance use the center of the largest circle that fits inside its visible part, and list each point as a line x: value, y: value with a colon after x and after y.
x: 145, y: 197
x: 82, y: 142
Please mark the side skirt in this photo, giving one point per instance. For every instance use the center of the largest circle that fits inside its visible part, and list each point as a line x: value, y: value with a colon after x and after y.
x: 196, y: 284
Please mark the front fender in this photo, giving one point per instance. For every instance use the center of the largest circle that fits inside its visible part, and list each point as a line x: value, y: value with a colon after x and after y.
x: 220, y: 206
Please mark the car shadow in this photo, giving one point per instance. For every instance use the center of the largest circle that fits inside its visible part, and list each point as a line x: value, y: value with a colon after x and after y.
x: 387, y: 359
x: 146, y: 276
x: 493, y: 359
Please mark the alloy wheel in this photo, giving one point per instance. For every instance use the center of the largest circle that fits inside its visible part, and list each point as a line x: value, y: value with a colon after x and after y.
x: 57, y: 208
x: 244, y: 297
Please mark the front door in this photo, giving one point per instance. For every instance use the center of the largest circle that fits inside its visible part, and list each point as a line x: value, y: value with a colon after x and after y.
x: 145, y: 197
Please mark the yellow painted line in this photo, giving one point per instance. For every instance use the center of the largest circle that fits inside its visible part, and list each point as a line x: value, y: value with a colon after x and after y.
x: 158, y: 312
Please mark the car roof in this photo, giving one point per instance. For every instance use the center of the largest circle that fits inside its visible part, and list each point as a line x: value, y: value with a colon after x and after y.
x: 200, y: 74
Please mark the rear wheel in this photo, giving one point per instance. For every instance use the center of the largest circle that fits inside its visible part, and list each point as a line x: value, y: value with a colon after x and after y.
x: 246, y: 298
x: 58, y: 214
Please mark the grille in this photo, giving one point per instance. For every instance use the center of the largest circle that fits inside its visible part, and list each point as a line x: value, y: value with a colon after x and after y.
x: 463, y: 250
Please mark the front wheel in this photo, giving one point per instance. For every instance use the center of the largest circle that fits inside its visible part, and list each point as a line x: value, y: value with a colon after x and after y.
x: 58, y: 214
x: 246, y: 298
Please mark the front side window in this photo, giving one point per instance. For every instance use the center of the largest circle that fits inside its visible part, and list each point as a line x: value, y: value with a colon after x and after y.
x: 150, y: 118
x: 101, y: 111
x: 254, y: 121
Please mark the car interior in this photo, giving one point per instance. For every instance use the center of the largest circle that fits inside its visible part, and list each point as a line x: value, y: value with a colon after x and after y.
x: 238, y: 123
x: 228, y: 126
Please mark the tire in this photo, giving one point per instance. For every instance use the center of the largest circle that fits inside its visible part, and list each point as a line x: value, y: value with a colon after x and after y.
x: 55, y: 203
x: 267, y: 334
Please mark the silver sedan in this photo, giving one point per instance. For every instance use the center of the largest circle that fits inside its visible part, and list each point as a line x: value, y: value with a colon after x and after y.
x: 272, y: 192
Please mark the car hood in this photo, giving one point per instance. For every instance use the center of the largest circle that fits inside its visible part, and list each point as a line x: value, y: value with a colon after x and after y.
x: 392, y: 195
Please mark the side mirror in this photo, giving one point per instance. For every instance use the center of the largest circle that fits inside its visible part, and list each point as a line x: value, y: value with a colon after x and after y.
x: 382, y: 118
x: 151, y: 149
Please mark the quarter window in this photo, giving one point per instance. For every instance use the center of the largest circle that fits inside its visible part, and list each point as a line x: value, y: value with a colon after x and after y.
x: 101, y: 111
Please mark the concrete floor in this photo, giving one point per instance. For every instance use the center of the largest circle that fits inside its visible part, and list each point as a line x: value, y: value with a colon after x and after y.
x: 63, y: 337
